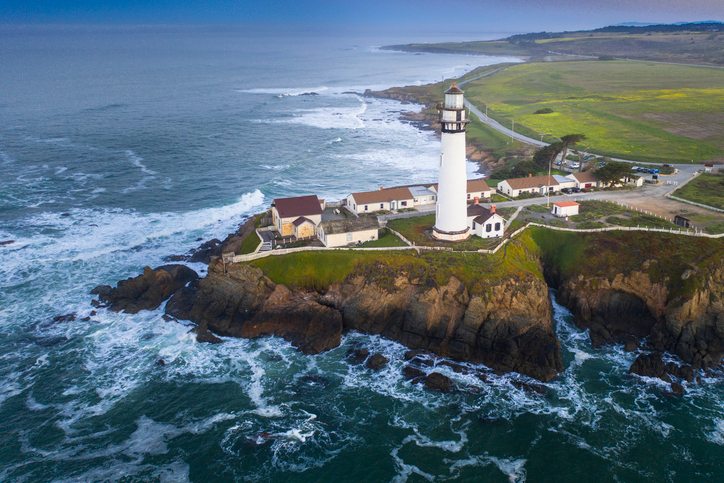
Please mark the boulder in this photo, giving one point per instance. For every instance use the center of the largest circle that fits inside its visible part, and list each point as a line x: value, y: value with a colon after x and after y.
x: 377, y: 362
x: 412, y: 374
x: 653, y: 365
x: 438, y: 382
x: 357, y: 356
x: 146, y: 291
x: 203, y: 334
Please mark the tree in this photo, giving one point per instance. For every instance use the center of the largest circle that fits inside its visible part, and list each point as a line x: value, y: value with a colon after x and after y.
x: 568, y: 141
x: 545, y: 155
x: 612, y: 172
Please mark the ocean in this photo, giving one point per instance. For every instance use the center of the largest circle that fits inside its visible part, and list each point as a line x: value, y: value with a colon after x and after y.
x: 121, y: 146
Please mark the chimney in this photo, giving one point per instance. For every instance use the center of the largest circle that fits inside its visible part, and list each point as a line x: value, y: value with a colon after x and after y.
x: 492, y: 209
x: 476, y: 200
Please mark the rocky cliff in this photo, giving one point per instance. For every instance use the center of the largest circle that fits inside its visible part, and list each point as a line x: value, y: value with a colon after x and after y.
x: 623, y: 292
x: 508, y: 327
x: 488, y: 309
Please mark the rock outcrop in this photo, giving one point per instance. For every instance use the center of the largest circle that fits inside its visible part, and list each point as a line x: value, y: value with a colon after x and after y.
x: 630, y: 307
x: 244, y: 303
x: 509, y: 328
x: 146, y: 291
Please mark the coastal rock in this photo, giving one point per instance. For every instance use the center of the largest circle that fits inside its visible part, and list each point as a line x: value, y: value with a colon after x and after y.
x: 242, y: 302
x: 6, y: 242
x: 357, y: 356
x: 376, y: 362
x: 412, y: 374
x: 508, y: 327
x: 146, y: 291
x: 65, y: 318
x: 629, y: 307
x: 653, y: 365
x: 203, y: 334
x: 438, y: 382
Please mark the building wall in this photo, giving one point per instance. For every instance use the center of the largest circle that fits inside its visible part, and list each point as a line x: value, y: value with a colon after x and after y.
x: 451, y: 210
x: 350, y: 238
x: 492, y: 222
x: 305, y: 230
x: 564, y: 211
x: 479, y: 194
x: 352, y: 205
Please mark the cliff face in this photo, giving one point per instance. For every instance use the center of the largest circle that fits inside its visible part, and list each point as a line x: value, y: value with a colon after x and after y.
x: 674, y: 306
x: 485, y: 309
x: 508, y: 328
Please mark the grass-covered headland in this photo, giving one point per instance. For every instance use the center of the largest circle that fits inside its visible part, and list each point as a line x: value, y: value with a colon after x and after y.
x: 664, y: 256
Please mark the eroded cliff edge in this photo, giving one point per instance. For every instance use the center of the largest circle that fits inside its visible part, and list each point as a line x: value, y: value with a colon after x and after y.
x: 663, y: 292
x: 503, y: 321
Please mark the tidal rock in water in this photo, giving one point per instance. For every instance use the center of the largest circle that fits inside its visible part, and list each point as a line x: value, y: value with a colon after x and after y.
x: 203, y: 334
x: 653, y: 365
x: 6, y: 242
x: 206, y: 250
x: 65, y: 318
x: 357, y: 356
x: 412, y: 374
x: 438, y: 382
x: 376, y: 362
x: 146, y: 291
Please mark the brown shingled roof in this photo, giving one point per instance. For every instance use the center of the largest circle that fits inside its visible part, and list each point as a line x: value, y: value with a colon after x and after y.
x: 585, y: 177
x: 474, y: 185
x: 298, y: 206
x: 532, y: 182
x: 384, y: 195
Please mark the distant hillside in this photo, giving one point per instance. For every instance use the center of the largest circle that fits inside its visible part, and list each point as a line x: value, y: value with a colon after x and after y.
x: 693, y: 43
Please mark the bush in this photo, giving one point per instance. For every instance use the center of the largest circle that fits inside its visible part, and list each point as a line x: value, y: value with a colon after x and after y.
x: 545, y: 110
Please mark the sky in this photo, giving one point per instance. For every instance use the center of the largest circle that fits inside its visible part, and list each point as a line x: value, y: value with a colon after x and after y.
x: 381, y: 15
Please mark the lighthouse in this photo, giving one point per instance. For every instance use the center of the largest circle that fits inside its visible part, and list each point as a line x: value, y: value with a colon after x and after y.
x: 451, y: 222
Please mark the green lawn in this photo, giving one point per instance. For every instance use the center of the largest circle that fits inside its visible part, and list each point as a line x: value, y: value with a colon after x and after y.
x: 386, y: 239
x: 417, y: 231
x: 706, y: 188
x: 639, y: 110
x: 249, y: 244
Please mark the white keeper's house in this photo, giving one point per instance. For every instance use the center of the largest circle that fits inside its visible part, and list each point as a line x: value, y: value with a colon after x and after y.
x: 584, y: 180
x: 539, y: 185
x: 485, y: 222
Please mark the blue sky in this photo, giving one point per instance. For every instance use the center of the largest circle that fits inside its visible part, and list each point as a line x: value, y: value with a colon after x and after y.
x: 387, y: 15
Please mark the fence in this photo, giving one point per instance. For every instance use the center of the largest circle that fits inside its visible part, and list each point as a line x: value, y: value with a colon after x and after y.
x: 228, y: 257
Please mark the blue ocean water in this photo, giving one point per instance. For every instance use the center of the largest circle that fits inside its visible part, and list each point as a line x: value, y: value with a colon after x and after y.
x: 120, y: 146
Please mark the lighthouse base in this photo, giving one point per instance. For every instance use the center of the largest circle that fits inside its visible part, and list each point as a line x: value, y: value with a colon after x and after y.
x: 451, y: 235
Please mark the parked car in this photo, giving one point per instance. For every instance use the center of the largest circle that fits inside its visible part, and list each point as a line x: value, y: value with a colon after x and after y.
x: 575, y: 165
x: 567, y: 191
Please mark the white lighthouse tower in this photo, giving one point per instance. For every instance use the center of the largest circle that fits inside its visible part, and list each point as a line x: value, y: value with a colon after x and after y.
x: 451, y: 221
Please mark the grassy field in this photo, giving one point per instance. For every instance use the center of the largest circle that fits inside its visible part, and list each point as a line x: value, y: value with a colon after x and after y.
x: 386, y: 239
x: 638, y: 110
x: 707, y: 189
x: 317, y: 270
x: 250, y: 242
x: 417, y: 230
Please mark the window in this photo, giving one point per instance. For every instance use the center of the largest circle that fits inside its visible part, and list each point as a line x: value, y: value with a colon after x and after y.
x: 474, y: 225
x: 403, y: 203
x: 349, y: 237
x: 488, y: 227
x: 366, y: 207
x: 497, y: 226
x: 468, y: 195
x: 382, y: 206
